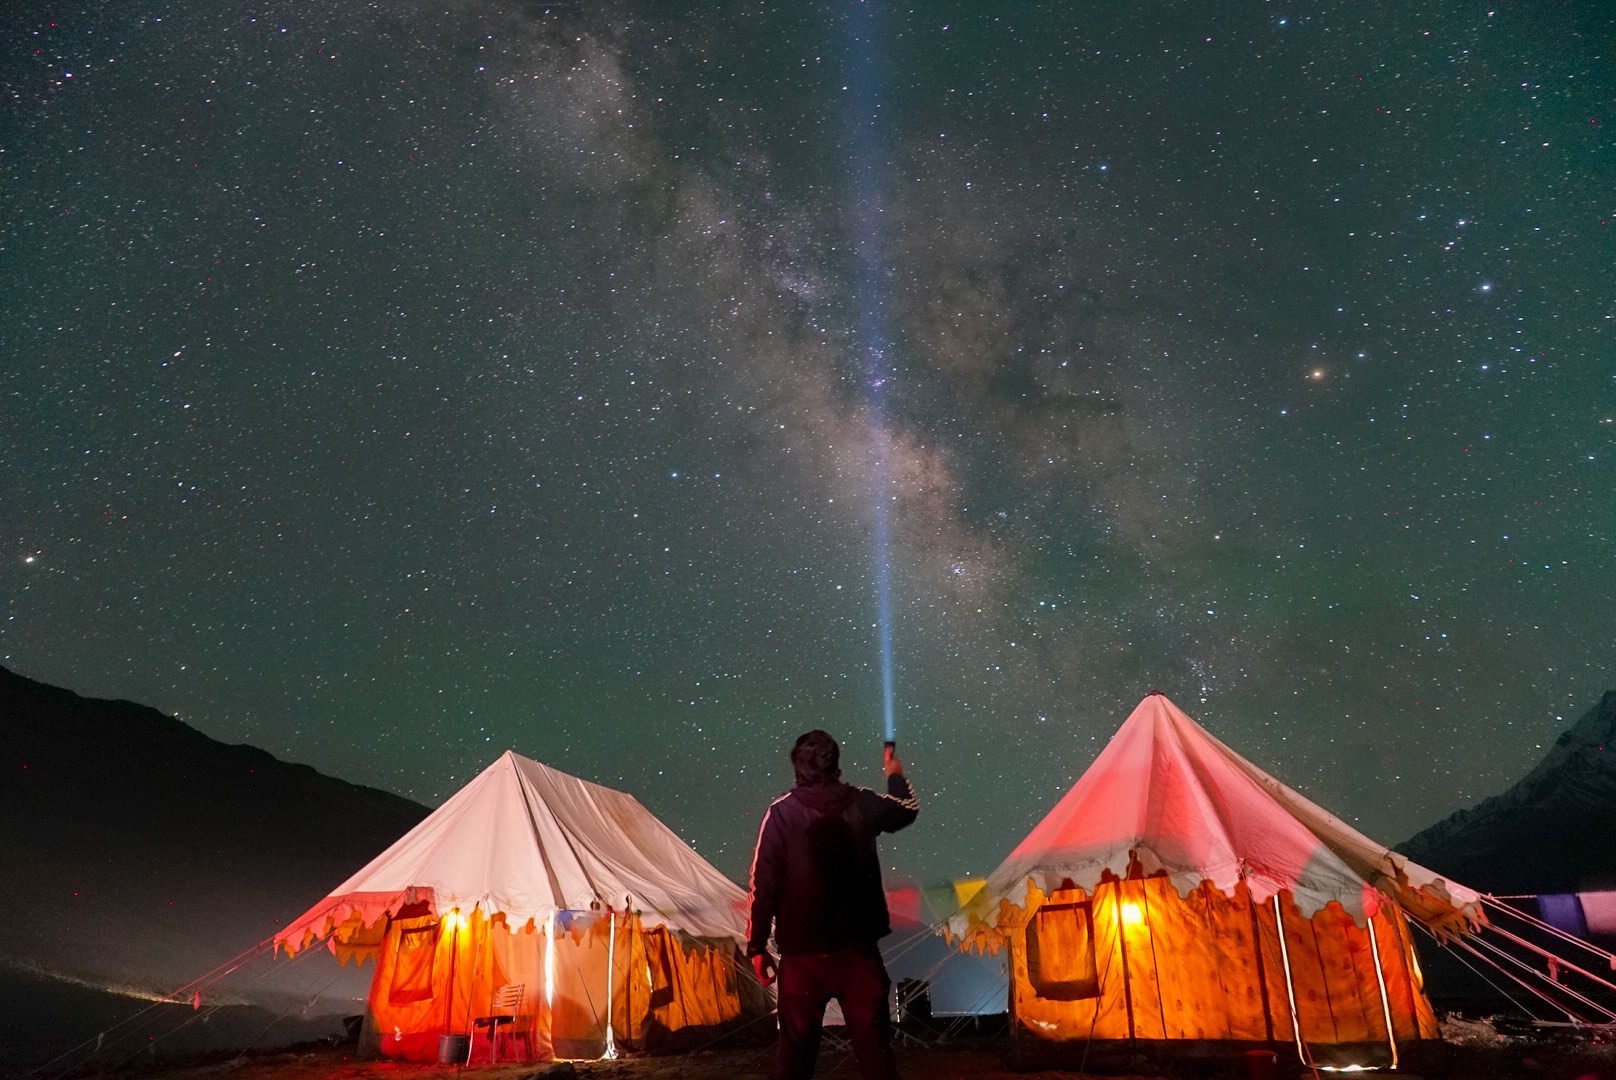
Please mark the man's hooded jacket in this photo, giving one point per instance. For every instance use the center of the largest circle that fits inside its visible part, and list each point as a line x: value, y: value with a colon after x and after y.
x: 816, y: 876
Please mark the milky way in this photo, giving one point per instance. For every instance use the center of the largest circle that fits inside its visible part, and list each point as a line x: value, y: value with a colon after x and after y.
x: 386, y: 388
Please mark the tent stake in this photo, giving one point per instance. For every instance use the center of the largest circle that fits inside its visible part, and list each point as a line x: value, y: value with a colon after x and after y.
x: 1262, y: 972
x: 611, y: 953
x: 1380, y: 977
x: 1290, y: 986
x: 549, y: 962
x: 1122, y: 943
x: 454, y: 955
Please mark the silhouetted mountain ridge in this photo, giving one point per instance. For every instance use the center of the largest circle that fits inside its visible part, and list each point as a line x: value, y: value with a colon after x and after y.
x: 147, y: 853
x: 1553, y: 831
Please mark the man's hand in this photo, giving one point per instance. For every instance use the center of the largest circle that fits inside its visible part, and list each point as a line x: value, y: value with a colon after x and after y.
x: 892, y: 765
x: 764, y: 967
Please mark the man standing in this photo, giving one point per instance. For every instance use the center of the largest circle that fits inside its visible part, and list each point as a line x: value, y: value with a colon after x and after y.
x: 816, y: 880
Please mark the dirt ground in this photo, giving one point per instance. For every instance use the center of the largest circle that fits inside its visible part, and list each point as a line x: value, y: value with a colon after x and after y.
x: 965, y: 1061
x: 962, y: 1059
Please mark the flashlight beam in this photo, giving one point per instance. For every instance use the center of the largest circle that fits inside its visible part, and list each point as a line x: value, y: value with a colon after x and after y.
x: 870, y: 244
x: 883, y: 586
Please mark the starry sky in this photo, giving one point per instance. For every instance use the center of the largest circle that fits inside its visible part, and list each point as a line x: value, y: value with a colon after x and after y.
x: 387, y: 386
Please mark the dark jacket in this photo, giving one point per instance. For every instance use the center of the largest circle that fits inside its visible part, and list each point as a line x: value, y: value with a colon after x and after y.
x: 816, y: 877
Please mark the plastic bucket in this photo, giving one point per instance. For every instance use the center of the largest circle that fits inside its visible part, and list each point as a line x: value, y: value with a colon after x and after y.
x: 452, y: 1049
x: 1260, y: 1065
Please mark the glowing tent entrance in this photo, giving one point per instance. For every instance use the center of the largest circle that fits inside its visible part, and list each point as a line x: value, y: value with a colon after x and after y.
x: 618, y: 933
x: 1179, y: 898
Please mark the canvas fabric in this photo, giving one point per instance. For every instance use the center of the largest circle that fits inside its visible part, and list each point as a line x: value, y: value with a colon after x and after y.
x: 468, y: 901
x: 1165, y: 797
x: 1134, y: 961
x: 1180, y: 894
x: 525, y: 840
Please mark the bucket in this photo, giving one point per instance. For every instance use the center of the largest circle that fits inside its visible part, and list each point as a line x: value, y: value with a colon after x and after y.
x: 1261, y: 1065
x: 452, y: 1049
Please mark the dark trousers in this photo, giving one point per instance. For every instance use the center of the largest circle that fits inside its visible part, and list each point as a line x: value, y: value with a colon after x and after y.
x: 858, y: 980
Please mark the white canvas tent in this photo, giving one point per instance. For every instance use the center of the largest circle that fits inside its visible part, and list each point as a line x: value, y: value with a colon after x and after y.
x: 614, y: 926
x: 1178, y: 894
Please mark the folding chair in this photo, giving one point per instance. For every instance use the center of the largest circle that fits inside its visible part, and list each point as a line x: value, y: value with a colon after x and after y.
x: 503, y: 1010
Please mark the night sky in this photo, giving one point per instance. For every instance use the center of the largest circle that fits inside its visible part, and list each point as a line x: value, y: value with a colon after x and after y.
x: 387, y: 387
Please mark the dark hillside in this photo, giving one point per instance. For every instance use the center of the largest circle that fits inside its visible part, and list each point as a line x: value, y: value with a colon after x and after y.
x: 145, y: 853
x: 1554, y: 831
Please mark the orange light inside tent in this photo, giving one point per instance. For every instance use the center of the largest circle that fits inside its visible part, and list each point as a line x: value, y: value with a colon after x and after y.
x: 1132, y: 915
x: 454, y: 920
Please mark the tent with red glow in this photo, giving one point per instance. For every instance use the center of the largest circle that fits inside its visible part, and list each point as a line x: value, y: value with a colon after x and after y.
x: 1180, y: 899
x: 617, y: 932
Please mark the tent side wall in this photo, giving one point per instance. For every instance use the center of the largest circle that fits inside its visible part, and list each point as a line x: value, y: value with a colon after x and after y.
x: 1134, y: 962
x: 433, y: 978
x: 666, y: 990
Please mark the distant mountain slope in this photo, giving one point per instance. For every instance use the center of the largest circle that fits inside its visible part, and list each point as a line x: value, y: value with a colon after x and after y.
x: 1554, y: 831
x: 139, y: 852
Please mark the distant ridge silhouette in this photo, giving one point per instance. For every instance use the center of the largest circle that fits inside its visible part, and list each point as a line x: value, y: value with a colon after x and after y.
x: 140, y: 854
x: 1553, y: 831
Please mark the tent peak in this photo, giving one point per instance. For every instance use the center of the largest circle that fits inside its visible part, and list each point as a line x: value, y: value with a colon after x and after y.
x: 1167, y: 795
x: 525, y: 839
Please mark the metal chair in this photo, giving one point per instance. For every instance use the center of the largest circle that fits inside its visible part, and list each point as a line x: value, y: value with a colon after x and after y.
x: 503, y: 1010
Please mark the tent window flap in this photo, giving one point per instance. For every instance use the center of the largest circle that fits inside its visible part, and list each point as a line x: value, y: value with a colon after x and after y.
x: 412, y: 966
x: 1060, y: 952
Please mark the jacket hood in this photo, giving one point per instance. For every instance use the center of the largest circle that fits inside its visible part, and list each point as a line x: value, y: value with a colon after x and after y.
x: 831, y: 798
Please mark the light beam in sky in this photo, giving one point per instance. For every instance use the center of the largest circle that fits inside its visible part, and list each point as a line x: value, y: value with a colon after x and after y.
x: 869, y: 243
